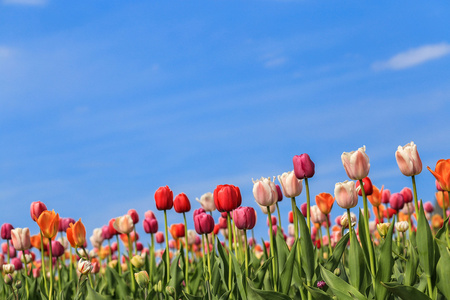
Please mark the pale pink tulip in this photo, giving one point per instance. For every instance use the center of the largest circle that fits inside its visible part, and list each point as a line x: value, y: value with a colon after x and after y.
x: 356, y: 163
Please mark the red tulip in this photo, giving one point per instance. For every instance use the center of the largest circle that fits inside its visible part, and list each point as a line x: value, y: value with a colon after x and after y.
x: 164, y: 198
x: 36, y: 209
x: 368, y: 188
x: 227, y: 197
x: 134, y: 215
x: 181, y: 203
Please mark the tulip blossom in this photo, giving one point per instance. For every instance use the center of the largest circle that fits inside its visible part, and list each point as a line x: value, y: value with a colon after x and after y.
x: 6, y: 231
x: 368, y: 187
x: 84, y: 266
x: 303, y: 166
x: 244, y: 218
x: 402, y: 226
x: 150, y: 225
x: 97, y: 238
x: 204, y: 223
x: 227, y: 197
x: 177, y: 230
x: 442, y: 173
x: 375, y: 197
x: 356, y: 163
x: 207, y: 202
x: 396, y: 201
x: 317, y: 217
x: 36, y: 209
x: 344, y: 220
x: 266, y: 211
x: 407, y: 195
x: 164, y: 198
x: 441, y: 197
x: 159, y: 236
x: 149, y: 215
x: 438, y: 186
x: 134, y: 215
x: 383, y: 228
x: 142, y: 279
x: 124, y: 224
x: 279, y: 193
x: 57, y: 249
x: 345, y: 194
x: 76, y: 234
x: 48, y: 222
x: 21, y: 238
x: 325, y: 202
x: 408, y: 159
x: 64, y: 224
x: 265, y: 192
x: 385, y: 196
x: 181, y: 203
x: 292, y: 187
x: 106, y: 234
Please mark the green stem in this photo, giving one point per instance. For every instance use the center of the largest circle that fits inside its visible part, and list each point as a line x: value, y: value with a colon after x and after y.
x: 230, y: 263
x: 350, y: 225
x: 213, y: 235
x: 369, y: 240
x: 299, y: 252
x: 186, y: 277
x: 7, y: 242
x: 50, y: 293
x: 308, y: 212
x: 445, y: 216
x: 26, y: 272
x: 109, y: 254
x: 135, y: 241
x: 130, y: 253
x: 294, y: 213
x: 430, y: 288
x: 152, y: 257
x: 272, y: 253
x: 209, y: 260
x: 59, y: 275
x: 409, y: 219
x: 416, y: 203
x: 71, y: 263
x: 233, y: 227
x: 167, y: 247
x: 398, y: 232
x: 279, y: 216
x: 203, y: 255
x: 119, y: 265
x: 329, y: 238
x: 246, y: 254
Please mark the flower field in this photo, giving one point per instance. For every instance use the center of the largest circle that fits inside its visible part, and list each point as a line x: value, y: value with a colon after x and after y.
x: 392, y: 248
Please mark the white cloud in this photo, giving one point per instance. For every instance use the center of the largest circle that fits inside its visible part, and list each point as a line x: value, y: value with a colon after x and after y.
x: 26, y: 2
x: 413, y: 57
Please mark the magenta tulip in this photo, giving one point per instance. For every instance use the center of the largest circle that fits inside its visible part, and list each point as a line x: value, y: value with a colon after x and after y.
x: 303, y: 166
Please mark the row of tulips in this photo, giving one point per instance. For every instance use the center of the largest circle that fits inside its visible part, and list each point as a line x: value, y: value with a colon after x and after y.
x: 400, y: 253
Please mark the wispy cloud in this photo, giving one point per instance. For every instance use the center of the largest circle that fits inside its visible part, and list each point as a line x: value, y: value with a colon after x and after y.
x: 25, y: 2
x: 413, y: 57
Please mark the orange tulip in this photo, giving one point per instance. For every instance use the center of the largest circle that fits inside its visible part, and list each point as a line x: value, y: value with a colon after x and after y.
x: 36, y: 241
x: 48, y: 222
x: 76, y: 234
x: 437, y: 221
x: 440, y: 196
x: 133, y: 237
x: 379, y: 211
x: 403, y: 217
x: 442, y: 173
x: 375, y: 198
x: 325, y: 202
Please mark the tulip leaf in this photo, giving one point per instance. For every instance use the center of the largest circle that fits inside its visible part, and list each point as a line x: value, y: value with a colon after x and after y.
x: 363, y: 238
x: 339, y: 287
x: 356, y: 264
x: 257, y: 294
x: 405, y: 292
x: 443, y: 270
x: 286, y: 273
x: 333, y: 260
x: 192, y: 297
x: 93, y: 295
x: 307, y: 249
x: 121, y: 289
x: 410, y: 275
x: 239, y: 278
x: 318, y: 294
x: 385, y: 264
x: 440, y: 235
x: 176, y: 276
x: 282, y: 249
x: 223, y: 260
x: 261, y: 273
x: 425, y: 245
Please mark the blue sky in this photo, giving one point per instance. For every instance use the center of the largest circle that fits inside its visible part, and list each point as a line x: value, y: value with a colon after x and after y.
x: 102, y: 102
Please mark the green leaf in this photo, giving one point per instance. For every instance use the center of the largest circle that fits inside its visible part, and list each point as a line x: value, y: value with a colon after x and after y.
x: 405, y: 292
x: 340, y: 288
x: 333, y: 260
x: 356, y: 264
x: 261, y: 273
x: 307, y: 249
x: 425, y: 245
x: 318, y: 294
x: 256, y: 294
x: 363, y: 238
x: 239, y: 278
x: 176, y: 276
x: 282, y: 249
x: 411, y: 266
x: 223, y: 260
x: 286, y: 273
x: 93, y: 295
x: 443, y: 271
x: 385, y: 264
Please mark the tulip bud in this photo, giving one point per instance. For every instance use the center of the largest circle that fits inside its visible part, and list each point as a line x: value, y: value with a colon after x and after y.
x: 181, y: 203
x: 164, y: 198
x: 9, y: 279
x: 345, y: 194
x: 279, y: 193
x: 303, y: 166
x: 344, y: 220
x: 36, y: 209
x: 18, y: 284
x: 159, y: 236
x: 428, y: 207
x: 321, y: 284
x: 137, y: 261
x: 170, y: 290
x: 134, y: 215
x: 84, y: 266
x: 57, y: 249
x: 142, y: 279
x: 407, y: 195
x: 396, y: 201
x: 113, y: 264
x: 227, y: 197
x: 385, y: 196
x: 402, y: 226
x: 244, y: 218
x: 207, y: 202
x: 368, y: 187
x: 356, y: 163
x: 292, y: 187
x: 383, y: 228
x: 337, y: 271
x: 150, y: 225
x: 204, y: 223
x: 8, y: 268
x: 408, y: 159
x: 6, y: 231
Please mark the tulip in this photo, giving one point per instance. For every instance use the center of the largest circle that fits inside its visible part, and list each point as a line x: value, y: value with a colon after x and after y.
x: 356, y: 163
x: 344, y: 220
x: 292, y: 187
x: 368, y: 187
x: 265, y: 192
x: 303, y: 166
x: 9, y: 268
x: 279, y: 193
x: 6, y: 231
x: 124, y: 224
x: 428, y: 207
x: 17, y: 263
x: 84, y: 266
x: 436, y: 222
x: 408, y: 159
x: 385, y: 196
x: 204, y: 223
x: 149, y: 215
x: 21, y: 238
x: 64, y: 223
x: 181, y: 203
x: 48, y: 222
x: 112, y: 230
x: 442, y: 173
x: 207, y: 202
x: 375, y: 198
x: 325, y: 202
x: 266, y: 211
x: 142, y: 279
x: 345, y: 194
x: 177, y: 230
x: 274, y: 220
x: 97, y: 238
x: 159, y: 236
x: 442, y: 199
x: 402, y: 226
x: 106, y: 234
x: 227, y: 197
x: 134, y: 215
x: 76, y: 234
x: 244, y: 218
x: 396, y: 201
x: 291, y: 217
x: 57, y: 249
x: 150, y: 225
x: 137, y: 261
x: 383, y: 228
x: 164, y: 198
x: 407, y: 195
x: 317, y: 217
x: 36, y: 210
x: 438, y: 186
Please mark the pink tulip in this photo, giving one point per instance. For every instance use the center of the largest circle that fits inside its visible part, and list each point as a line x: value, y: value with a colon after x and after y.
x: 303, y: 166
x: 21, y: 238
x: 244, y: 218
x: 150, y: 225
x: 106, y: 234
x: 408, y: 159
x: 279, y: 193
x: 265, y: 192
x: 345, y: 194
x: 303, y: 209
x: 396, y: 201
x: 159, y: 236
x: 6, y: 231
x: 17, y: 263
x: 124, y: 224
x: 273, y: 219
x: 292, y: 187
x: 149, y: 215
x: 428, y: 207
x: 134, y: 215
x: 356, y: 163
x: 407, y: 195
x: 57, y: 249
x: 203, y: 223
x: 36, y: 209
x: 385, y: 196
